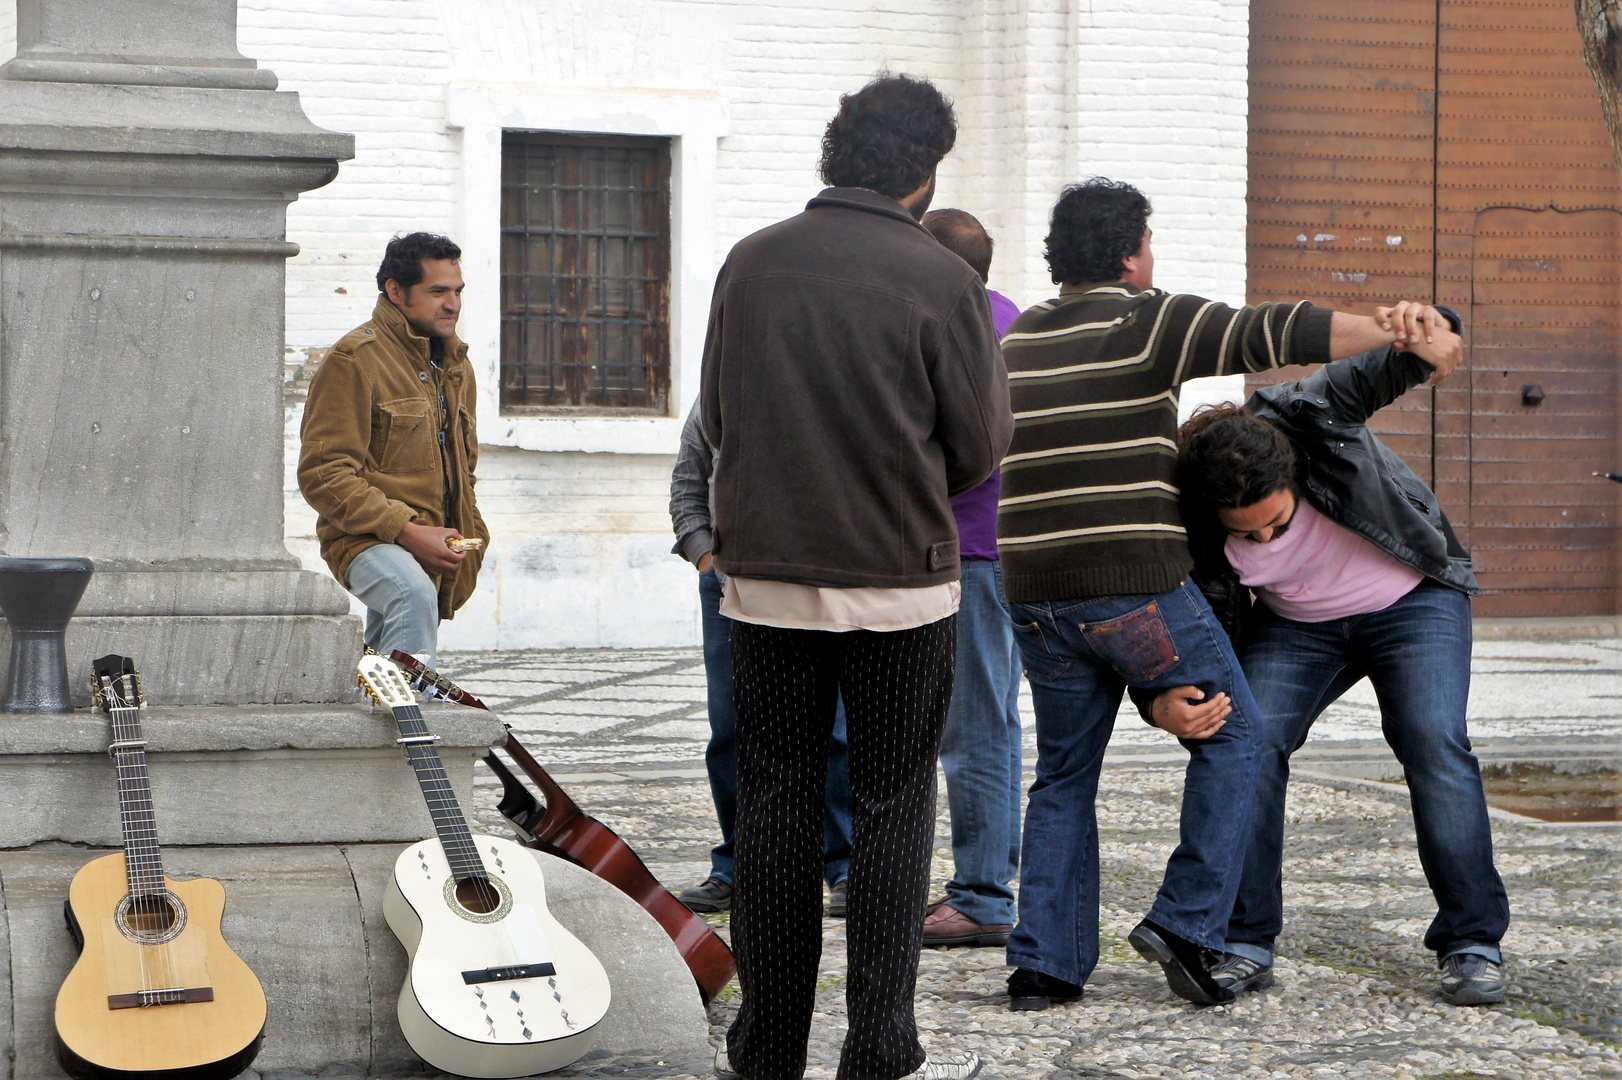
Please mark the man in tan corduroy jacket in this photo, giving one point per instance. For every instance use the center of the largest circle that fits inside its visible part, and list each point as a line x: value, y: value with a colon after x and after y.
x: 389, y: 450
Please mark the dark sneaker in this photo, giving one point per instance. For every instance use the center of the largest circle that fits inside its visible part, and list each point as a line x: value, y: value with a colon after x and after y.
x: 956, y: 1065
x: 946, y: 925
x: 1187, y: 966
x: 838, y: 899
x: 1468, y: 979
x: 1031, y: 991
x: 1241, y: 973
x: 713, y: 895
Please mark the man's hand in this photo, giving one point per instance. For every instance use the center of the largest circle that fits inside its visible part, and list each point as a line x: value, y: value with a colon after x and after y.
x: 704, y: 563
x: 1183, y: 711
x: 1425, y: 332
x: 427, y: 546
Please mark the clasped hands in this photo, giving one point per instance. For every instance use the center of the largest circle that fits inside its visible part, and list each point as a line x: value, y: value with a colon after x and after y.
x: 1425, y: 332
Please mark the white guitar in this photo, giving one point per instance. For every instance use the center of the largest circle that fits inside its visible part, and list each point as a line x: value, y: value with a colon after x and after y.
x: 496, y: 987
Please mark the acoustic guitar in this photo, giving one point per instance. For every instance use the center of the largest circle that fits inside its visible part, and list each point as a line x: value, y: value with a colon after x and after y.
x: 496, y: 986
x: 156, y: 991
x: 559, y: 827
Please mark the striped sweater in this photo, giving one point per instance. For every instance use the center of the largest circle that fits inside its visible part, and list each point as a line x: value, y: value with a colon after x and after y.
x: 1089, y: 507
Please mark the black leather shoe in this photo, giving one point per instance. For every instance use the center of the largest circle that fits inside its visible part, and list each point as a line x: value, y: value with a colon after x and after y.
x: 1187, y: 968
x: 713, y: 895
x: 1030, y: 991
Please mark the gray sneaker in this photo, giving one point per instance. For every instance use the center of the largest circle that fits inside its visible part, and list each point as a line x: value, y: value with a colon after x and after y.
x: 955, y: 1065
x: 723, y: 1067
x: 1241, y: 973
x: 1468, y: 979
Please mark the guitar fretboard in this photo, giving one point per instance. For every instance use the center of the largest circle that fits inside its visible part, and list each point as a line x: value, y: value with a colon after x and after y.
x: 454, y: 836
x: 143, y: 863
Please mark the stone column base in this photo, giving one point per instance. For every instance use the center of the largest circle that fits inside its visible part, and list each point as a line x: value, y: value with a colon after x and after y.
x: 218, y: 659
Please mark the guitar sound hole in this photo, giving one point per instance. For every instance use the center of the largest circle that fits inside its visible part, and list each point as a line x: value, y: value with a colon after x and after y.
x: 478, y: 895
x: 150, y: 916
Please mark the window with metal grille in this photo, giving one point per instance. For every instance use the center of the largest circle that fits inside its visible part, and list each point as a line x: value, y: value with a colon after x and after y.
x: 585, y: 273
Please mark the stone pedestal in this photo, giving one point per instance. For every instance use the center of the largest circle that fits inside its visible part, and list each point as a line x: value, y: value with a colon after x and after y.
x: 145, y: 172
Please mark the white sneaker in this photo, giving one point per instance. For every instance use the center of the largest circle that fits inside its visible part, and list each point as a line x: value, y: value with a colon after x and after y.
x: 956, y: 1065
x: 723, y: 1067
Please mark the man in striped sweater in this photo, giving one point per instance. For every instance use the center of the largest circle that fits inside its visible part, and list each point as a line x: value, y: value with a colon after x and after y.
x: 1095, y: 561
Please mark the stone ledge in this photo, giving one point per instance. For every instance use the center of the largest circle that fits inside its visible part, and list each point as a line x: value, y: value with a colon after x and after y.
x: 277, y: 775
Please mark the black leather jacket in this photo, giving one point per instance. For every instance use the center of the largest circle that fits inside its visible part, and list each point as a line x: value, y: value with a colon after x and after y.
x: 1349, y: 476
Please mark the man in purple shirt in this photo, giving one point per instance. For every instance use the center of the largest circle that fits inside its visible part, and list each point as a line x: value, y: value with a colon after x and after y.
x: 980, y: 750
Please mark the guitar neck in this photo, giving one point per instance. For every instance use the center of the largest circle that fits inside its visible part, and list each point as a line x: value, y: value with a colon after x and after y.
x: 454, y: 836
x: 142, y: 860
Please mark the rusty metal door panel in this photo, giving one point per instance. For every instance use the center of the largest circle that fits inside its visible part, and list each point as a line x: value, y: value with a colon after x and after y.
x: 1546, y: 292
x: 1342, y: 136
x: 1464, y: 128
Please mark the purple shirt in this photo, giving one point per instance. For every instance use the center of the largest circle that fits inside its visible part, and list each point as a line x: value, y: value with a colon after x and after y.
x: 976, y: 509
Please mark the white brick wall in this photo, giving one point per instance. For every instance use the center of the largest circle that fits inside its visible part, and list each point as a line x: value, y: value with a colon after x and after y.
x: 1048, y: 91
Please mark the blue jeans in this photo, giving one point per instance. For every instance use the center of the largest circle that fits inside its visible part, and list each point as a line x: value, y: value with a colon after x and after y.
x: 1417, y: 654
x: 1080, y: 655
x: 981, y: 751
x: 402, y: 603
x: 721, y: 755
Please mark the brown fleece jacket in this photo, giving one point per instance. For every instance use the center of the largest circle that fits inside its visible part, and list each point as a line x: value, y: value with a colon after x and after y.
x: 372, y: 456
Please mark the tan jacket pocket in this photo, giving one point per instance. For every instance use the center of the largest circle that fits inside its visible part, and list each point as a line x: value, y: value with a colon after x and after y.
x: 408, y: 444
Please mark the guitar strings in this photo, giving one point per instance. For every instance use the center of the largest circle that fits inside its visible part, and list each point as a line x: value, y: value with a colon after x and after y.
x: 437, y: 788
x: 156, y: 960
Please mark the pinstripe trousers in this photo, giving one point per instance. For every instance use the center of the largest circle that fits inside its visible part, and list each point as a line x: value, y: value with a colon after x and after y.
x: 897, y: 687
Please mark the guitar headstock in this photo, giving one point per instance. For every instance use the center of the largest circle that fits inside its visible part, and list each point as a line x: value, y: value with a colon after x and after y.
x: 115, y: 683
x: 384, y: 682
x: 430, y: 683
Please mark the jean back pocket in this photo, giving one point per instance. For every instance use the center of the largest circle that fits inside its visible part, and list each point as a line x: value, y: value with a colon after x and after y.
x: 1137, y: 645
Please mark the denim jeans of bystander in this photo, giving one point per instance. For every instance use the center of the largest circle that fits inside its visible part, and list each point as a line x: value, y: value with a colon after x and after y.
x: 981, y: 751
x: 1080, y: 655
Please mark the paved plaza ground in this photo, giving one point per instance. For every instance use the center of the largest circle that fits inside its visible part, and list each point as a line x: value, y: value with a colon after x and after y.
x: 624, y: 731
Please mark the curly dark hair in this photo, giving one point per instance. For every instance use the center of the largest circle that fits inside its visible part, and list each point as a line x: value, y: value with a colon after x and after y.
x: 961, y: 233
x: 888, y: 136
x: 1229, y: 458
x: 402, y: 259
x: 1095, y: 224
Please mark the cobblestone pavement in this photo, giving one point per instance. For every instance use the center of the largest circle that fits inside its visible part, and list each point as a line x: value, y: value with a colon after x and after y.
x: 624, y: 731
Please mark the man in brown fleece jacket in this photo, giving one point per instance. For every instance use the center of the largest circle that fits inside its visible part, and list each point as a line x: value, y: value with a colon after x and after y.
x: 389, y: 450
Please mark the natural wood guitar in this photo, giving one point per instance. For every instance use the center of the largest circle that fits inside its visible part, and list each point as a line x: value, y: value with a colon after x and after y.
x: 559, y: 827
x: 156, y: 992
x: 496, y: 987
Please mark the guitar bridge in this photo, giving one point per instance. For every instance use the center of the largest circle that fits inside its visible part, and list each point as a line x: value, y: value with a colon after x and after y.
x: 174, y: 995
x: 502, y: 974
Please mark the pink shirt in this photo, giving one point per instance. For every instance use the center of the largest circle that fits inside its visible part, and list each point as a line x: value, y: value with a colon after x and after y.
x: 1318, y: 570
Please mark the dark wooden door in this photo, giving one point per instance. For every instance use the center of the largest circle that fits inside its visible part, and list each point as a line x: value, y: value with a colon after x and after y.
x: 1455, y: 152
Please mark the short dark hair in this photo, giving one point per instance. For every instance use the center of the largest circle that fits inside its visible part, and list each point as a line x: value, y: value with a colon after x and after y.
x: 961, y: 233
x: 888, y: 136
x: 402, y: 259
x: 1228, y: 458
x: 1095, y: 225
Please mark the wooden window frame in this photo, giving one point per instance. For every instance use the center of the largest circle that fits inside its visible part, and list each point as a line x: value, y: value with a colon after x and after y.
x: 585, y: 274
